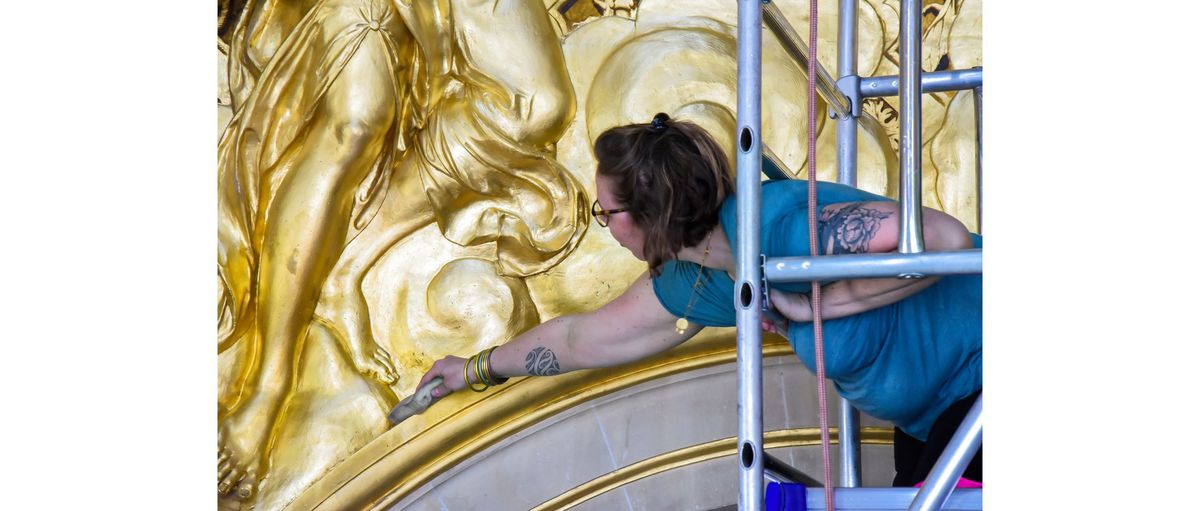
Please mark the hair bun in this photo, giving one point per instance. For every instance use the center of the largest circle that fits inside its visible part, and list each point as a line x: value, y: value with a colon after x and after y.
x: 659, y: 122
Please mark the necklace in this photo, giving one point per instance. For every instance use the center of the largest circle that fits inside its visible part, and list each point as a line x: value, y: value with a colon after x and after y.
x: 682, y: 323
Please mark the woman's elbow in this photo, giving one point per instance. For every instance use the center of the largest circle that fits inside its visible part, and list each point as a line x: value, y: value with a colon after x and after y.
x: 947, y: 233
x: 957, y: 238
x: 962, y: 238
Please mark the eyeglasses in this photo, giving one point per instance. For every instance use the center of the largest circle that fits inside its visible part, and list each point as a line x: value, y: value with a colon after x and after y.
x: 603, y: 214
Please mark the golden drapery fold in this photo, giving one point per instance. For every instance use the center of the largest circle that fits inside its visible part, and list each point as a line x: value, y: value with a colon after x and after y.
x: 255, y: 151
x: 485, y: 182
x: 486, y: 188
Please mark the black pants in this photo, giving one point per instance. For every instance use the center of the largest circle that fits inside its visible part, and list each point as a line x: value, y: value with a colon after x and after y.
x: 914, y: 458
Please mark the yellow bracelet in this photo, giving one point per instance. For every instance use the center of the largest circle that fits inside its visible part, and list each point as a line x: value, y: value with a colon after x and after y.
x: 468, y: 380
x: 479, y: 370
x: 483, y: 366
x: 487, y: 364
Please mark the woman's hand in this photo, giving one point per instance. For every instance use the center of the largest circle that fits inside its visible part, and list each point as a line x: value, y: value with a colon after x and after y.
x: 846, y: 298
x: 791, y: 306
x: 773, y: 320
x: 450, y: 369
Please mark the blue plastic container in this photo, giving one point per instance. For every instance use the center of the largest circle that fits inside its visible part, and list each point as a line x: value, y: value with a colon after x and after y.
x: 786, y: 497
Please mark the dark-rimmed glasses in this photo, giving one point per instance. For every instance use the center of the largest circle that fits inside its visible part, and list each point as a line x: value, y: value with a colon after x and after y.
x: 602, y: 215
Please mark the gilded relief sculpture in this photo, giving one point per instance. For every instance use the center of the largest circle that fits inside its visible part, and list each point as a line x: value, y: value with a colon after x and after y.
x: 404, y: 179
x: 357, y: 122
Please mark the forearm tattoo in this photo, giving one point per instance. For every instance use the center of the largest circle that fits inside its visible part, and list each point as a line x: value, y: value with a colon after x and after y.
x: 542, y: 362
x: 849, y: 229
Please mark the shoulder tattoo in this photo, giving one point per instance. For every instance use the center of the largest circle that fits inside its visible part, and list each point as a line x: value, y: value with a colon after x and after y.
x: 849, y: 229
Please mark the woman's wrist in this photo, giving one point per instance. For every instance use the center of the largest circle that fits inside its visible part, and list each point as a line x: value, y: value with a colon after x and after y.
x: 478, y: 372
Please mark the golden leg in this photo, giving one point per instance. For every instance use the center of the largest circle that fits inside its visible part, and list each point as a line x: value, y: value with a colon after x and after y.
x: 304, y: 231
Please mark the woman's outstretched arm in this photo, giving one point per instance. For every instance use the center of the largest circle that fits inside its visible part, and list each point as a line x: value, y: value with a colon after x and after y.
x: 631, y: 327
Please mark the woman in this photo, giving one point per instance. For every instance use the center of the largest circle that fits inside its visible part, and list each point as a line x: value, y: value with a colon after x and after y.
x: 908, y: 351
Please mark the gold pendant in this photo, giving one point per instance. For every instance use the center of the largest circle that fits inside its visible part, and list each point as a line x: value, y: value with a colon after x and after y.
x: 681, y: 326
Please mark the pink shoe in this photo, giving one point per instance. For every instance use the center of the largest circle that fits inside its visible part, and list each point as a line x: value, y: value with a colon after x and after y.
x: 962, y: 483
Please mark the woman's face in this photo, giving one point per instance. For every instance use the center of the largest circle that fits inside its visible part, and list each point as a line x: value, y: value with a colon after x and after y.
x: 621, y: 225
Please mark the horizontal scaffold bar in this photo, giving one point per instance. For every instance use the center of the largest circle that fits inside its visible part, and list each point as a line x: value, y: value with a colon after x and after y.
x: 879, y: 499
x: 856, y: 266
x: 934, y: 81
x: 780, y: 471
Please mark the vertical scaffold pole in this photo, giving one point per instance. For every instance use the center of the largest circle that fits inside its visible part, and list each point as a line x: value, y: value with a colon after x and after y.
x: 979, y: 159
x: 749, y: 272
x: 847, y: 126
x: 847, y: 153
x: 848, y: 444
x: 911, y: 240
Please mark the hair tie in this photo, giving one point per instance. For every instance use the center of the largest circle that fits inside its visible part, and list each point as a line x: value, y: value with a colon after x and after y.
x: 659, y: 122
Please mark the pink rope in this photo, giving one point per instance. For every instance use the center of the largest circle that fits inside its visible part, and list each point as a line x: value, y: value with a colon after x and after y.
x: 818, y: 331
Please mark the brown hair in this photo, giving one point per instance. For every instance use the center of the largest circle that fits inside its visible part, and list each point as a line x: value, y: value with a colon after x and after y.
x: 671, y: 176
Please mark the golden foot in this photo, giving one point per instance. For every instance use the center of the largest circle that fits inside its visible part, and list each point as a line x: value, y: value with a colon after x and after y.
x: 377, y: 364
x: 369, y: 358
x: 240, y: 441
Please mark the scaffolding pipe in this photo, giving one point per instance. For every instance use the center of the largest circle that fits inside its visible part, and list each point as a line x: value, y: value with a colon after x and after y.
x: 783, y: 472
x: 950, y: 465
x: 847, y: 159
x: 780, y: 171
x: 866, y: 266
x: 847, y: 127
x: 879, y: 499
x: 979, y: 159
x: 848, y: 445
x: 936, y: 81
x: 748, y: 270
x: 795, y: 47
x: 911, y: 240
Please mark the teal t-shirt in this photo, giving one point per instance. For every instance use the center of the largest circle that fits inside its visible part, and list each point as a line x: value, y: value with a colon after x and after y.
x: 905, y: 362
